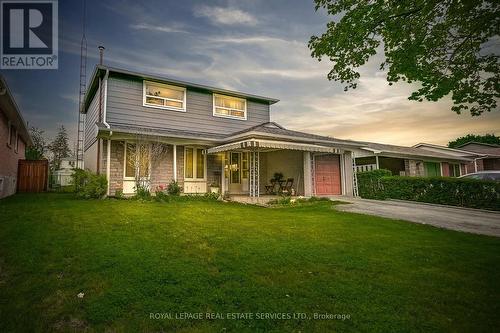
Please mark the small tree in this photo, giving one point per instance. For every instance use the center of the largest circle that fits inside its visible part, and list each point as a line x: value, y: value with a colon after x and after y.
x: 59, y: 148
x: 38, y: 149
x: 145, y: 155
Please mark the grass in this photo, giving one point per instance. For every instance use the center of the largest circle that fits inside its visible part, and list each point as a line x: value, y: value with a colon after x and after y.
x: 133, y: 258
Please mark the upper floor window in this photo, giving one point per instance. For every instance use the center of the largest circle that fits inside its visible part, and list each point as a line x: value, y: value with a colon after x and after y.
x: 164, y: 96
x: 230, y: 107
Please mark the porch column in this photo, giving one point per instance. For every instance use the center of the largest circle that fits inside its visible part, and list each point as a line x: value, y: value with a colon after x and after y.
x: 307, y: 174
x: 175, y: 162
x: 254, y: 174
x: 223, y: 174
x: 376, y: 162
x: 258, y: 174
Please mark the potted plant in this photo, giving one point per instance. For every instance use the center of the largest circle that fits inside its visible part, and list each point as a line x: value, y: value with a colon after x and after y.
x: 277, y: 177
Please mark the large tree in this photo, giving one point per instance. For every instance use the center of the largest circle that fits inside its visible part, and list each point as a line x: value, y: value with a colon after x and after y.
x: 487, y: 138
x: 59, y: 148
x: 448, y: 46
x: 39, y: 147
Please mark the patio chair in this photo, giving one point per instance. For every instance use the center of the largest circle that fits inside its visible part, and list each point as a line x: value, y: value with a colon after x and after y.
x: 270, y: 188
x: 287, y: 187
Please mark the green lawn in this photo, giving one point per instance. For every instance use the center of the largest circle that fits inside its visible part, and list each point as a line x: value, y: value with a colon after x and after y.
x: 131, y: 259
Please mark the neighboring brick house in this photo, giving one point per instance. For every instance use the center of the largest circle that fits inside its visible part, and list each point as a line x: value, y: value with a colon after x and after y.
x: 410, y: 161
x: 489, y: 155
x: 482, y: 156
x: 14, y: 137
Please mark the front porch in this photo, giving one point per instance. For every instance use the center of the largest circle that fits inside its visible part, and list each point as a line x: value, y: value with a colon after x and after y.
x: 250, y: 168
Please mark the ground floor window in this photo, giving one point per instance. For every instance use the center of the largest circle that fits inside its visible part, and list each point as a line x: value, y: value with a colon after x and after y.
x: 136, y: 160
x: 194, y: 163
x: 454, y: 170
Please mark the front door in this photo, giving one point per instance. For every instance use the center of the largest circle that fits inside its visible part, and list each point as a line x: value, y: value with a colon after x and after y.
x: 327, y: 175
x: 238, y: 172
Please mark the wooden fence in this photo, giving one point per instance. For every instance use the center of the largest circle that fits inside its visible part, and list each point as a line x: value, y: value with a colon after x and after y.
x: 32, y: 176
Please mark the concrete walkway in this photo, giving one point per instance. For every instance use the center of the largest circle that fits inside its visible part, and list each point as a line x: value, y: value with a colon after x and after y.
x: 454, y: 218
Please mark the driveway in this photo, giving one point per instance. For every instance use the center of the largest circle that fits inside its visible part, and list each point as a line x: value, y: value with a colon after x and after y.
x: 454, y: 218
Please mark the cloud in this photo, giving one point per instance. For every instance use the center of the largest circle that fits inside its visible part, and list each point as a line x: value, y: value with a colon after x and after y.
x: 159, y: 28
x: 225, y: 15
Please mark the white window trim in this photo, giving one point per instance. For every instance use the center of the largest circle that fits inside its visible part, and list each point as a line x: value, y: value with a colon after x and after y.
x: 125, y: 161
x: 195, y: 161
x: 172, y: 108
x: 221, y: 107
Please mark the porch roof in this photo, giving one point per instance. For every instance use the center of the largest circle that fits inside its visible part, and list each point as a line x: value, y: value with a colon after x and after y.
x: 258, y: 144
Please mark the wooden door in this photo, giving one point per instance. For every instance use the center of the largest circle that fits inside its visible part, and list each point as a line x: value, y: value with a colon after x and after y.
x: 327, y: 175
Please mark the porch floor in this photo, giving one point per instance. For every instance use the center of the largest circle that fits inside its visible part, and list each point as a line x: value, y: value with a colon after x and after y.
x: 245, y: 198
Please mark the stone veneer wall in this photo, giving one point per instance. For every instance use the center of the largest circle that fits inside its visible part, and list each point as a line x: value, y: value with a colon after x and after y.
x: 414, y: 168
x: 162, y: 170
x: 117, y: 162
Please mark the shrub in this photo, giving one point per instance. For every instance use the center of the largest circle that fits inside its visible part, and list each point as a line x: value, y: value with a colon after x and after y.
x: 119, y: 194
x: 173, y: 188
x: 142, y: 193
x: 78, y: 179
x: 88, y: 185
x: 160, y: 194
x: 471, y: 193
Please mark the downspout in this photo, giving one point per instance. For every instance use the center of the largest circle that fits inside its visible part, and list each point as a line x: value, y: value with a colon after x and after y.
x: 105, y: 102
x: 108, y: 150
x: 99, y: 118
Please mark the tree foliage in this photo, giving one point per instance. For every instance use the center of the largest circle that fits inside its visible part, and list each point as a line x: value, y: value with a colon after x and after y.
x: 38, y: 149
x: 59, y: 148
x: 487, y: 138
x: 449, y: 47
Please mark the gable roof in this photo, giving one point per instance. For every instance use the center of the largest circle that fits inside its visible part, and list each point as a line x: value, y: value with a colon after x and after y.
x: 12, y: 112
x: 479, y: 143
x: 274, y: 130
x: 380, y: 148
x: 100, y: 71
x: 445, y: 149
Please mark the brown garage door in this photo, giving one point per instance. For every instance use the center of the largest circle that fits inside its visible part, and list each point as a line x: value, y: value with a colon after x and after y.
x: 327, y: 174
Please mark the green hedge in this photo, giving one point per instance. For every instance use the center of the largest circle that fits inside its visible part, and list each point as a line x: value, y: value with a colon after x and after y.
x: 369, y: 185
x: 471, y: 193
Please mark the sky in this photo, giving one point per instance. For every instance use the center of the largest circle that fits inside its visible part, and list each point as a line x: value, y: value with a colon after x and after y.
x: 258, y: 47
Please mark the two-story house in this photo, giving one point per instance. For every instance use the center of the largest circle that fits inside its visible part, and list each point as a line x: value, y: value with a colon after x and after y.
x: 211, y: 135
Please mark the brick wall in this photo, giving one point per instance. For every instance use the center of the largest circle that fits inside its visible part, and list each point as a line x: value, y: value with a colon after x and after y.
x: 8, y: 166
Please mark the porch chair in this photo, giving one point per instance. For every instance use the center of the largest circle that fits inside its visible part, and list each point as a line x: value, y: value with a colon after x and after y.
x: 287, y: 187
x: 270, y: 188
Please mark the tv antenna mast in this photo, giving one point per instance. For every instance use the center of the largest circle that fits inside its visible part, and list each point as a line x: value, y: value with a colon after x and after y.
x: 81, y: 96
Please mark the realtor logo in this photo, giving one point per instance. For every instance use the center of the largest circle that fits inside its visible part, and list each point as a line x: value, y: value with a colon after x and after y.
x: 29, y: 32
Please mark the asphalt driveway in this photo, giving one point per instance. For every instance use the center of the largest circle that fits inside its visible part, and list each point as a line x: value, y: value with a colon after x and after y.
x: 454, y: 218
